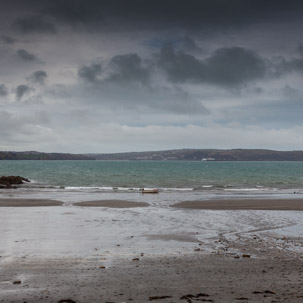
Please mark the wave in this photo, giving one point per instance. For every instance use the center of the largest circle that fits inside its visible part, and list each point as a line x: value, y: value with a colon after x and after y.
x: 35, y: 185
x: 244, y: 189
x: 109, y: 188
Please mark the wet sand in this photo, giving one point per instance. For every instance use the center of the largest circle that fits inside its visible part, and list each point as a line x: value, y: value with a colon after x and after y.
x: 196, y: 278
x: 243, y: 204
x: 29, y: 202
x: 83, y: 255
x: 112, y: 204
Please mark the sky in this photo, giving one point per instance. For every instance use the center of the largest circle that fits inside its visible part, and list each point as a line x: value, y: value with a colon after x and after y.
x: 96, y: 76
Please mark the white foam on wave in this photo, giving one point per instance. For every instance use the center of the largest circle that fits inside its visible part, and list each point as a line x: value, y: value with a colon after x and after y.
x: 33, y: 181
x: 177, y: 188
x: 88, y: 188
x: 243, y: 189
x: 118, y: 188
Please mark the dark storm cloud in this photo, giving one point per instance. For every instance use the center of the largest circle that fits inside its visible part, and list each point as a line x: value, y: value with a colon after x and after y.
x: 22, y: 90
x: 189, y: 14
x: 226, y: 66
x: 180, y: 66
x: 128, y: 68
x: 126, y: 81
x: 157, y: 14
x: 26, y: 56
x: 236, y: 65
x: 300, y: 49
x: 3, y: 90
x: 281, y: 66
x: 34, y: 24
x: 7, y: 39
x: 90, y: 73
x: 38, y: 77
x: 122, y: 69
x: 186, y: 43
x: 293, y: 65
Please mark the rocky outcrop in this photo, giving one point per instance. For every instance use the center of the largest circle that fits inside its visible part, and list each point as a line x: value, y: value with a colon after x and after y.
x: 9, y: 181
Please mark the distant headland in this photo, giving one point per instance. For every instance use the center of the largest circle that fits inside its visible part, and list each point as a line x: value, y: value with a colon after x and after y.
x: 165, y: 155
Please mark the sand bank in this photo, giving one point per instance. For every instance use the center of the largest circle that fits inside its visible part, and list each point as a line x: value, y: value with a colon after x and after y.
x: 243, y: 204
x: 28, y: 202
x: 112, y: 204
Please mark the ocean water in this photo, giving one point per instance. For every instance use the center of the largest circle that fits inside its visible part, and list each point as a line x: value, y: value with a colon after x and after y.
x: 207, y: 178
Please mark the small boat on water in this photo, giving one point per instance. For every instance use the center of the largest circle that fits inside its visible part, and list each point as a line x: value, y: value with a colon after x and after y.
x: 150, y: 191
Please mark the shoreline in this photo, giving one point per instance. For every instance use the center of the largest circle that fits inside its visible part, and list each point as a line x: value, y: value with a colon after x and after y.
x: 111, y: 204
x: 212, y: 204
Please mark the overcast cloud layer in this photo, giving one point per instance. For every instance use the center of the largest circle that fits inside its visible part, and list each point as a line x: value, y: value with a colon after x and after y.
x: 111, y: 76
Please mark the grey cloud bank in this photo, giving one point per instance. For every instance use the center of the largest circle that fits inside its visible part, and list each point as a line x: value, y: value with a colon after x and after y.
x: 22, y: 90
x: 38, y: 76
x: 34, y: 24
x: 3, y: 90
x: 226, y: 66
x: 137, y: 75
x: 127, y: 15
x: 7, y: 40
x: 25, y: 55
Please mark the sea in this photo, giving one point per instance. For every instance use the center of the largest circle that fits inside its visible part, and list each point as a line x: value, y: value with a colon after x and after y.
x: 176, y: 180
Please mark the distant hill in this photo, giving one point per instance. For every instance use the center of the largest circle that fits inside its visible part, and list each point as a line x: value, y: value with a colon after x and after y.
x: 208, y: 154
x: 33, y: 155
x: 166, y: 155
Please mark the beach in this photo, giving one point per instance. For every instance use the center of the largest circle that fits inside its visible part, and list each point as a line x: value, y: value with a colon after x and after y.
x: 195, y: 278
x: 119, y: 250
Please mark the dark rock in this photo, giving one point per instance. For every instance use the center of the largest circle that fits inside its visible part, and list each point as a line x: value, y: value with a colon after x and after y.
x: 195, y: 297
x: 8, y: 181
x: 17, y: 282
x: 66, y: 301
x: 187, y: 297
x: 269, y: 292
x: 202, y: 295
